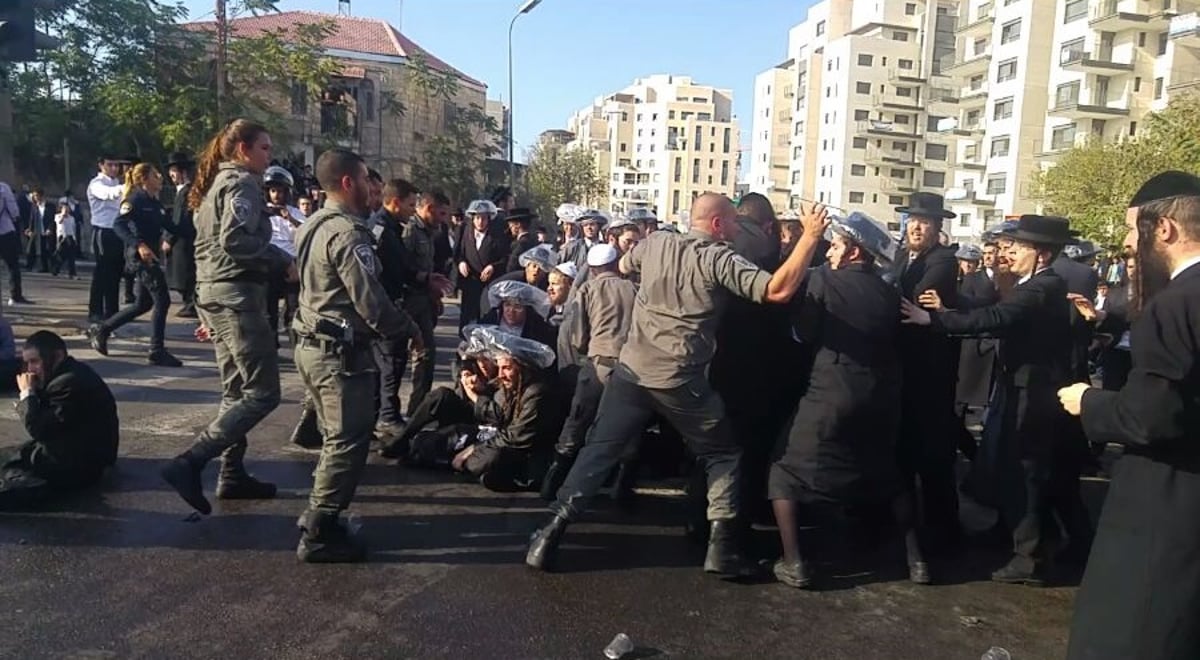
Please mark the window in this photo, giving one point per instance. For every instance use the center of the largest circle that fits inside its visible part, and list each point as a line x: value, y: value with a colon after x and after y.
x: 1076, y: 9
x: 934, y: 179
x: 639, y: 116
x: 1141, y: 39
x: 997, y: 184
x: 696, y: 143
x: 862, y: 115
x: 897, y: 173
x: 1158, y: 88
x: 796, y: 152
x: 1007, y: 70
x: 856, y: 197
x: 820, y: 28
x: 1000, y: 147
x: 964, y: 220
x: 899, y: 36
x: 858, y: 170
x: 670, y: 114
x: 1162, y: 43
x: 1003, y: 109
x: 695, y: 170
x: 654, y: 117
x: 906, y: 64
x: 624, y: 147
x: 895, y: 200
x: 862, y: 88
x: 906, y: 92
x: 975, y: 83
x: 910, y: 9
x: 796, y: 178
x: 931, y: 123
x: 1062, y: 137
x: 865, y: 59
x: 972, y: 120
x: 1071, y: 51
x: 860, y: 143
x: 1067, y: 94
x: 1133, y: 128
x: 900, y: 146
x: 935, y: 151
x: 902, y: 120
x: 710, y: 179
x: 1137, y: 84
x: 1010, y: 32
x: 724, y: 172
x: 726, y: 142
x: 675, y: 202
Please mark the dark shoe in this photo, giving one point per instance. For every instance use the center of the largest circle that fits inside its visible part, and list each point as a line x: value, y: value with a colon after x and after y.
x: 98, y: 338
x: 326, y: 540
x: 186, y: 312
x: 161, y: 358
x: 793, y: 574
x: 724, y: 558
x: 918, y: 573
x: 387, y: 432
x: 234, y: 483
x: 543, y: 545
x: 555, y: 476
x: 19, y: 300
x: 1013, y: 575
x: 184, y: 477
x: 395, y: 449
x: 307, y: 434
x: 499, y: 482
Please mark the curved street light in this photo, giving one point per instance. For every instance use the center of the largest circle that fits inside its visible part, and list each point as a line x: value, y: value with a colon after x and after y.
x: 512, y: 164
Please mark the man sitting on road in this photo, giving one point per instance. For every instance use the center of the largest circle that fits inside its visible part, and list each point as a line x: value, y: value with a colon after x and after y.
x: 71, y: 416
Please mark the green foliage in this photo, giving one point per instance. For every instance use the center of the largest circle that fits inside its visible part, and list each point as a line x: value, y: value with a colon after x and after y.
x: 1092, y: 184
x: 556, y: 174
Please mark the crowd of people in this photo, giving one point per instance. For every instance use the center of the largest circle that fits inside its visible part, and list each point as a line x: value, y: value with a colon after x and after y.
x: 803, y: 368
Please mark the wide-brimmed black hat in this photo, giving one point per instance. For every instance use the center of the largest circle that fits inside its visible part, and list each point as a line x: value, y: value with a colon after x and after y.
x: 927, y: 205
x: 520, y: 214
x: 1166, y: 184
x: 180, y: 159
x: 1042, y: 230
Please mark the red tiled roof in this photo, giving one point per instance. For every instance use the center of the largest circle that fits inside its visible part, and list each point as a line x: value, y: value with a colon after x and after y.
x: 360, y: 35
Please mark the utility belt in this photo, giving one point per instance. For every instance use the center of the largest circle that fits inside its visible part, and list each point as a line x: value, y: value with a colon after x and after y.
x: 605, y: 361
x: 244, y: 278
x: 334, y: 338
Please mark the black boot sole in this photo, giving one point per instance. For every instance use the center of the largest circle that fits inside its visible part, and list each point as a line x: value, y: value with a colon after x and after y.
x: 186, y: 481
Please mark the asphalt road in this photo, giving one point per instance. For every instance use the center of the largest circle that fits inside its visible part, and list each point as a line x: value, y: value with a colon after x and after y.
x: 129, y: 576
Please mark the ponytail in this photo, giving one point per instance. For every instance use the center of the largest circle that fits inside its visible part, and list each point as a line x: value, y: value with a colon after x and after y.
x: 135, y: 178
x: 221, y: 148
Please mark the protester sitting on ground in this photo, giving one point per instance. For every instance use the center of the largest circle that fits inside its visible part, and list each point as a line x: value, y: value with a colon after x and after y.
x: 511, y: 303
x: 71, y: 417
x: 536, y: 264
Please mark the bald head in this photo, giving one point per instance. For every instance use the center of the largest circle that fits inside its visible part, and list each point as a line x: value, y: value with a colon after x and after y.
x: 714, y: 214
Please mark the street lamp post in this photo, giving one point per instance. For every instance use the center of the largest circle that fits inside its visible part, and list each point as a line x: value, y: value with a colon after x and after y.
x: 512, y: 164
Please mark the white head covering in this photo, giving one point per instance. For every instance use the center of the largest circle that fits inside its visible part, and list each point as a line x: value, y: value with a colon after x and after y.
x: 482, y: 206
x: 521, y: 293
x: 602, y: 254
x: 567, y: 213
x: 543, y: 255
x: 569, y: 269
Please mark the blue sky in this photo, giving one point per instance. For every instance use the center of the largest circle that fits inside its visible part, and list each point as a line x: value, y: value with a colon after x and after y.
x: 567, y: 52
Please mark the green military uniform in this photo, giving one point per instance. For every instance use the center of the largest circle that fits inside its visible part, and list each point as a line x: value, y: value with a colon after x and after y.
x: 420, y: 304
x: 234, y: 258
x: 339, y: 283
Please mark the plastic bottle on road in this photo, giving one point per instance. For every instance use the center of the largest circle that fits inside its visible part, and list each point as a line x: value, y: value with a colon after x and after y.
x: 996, y: 653
x: 620, y: 647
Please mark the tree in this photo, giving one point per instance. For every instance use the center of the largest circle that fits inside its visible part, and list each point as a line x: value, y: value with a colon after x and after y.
x: 556, y: 174
x: 464, y: 136
x: 1092, y: 184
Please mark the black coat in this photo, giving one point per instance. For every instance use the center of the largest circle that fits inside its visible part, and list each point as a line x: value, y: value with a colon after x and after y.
x: 840, y: 442
x: 1140, y: 596
x: 929, y: 361
x: 520, y: 245
x: 1081, y: 279
x: 73, y: 424
x: 1114, y: 361
x: 143, y: 221
x: 977, y: 356
x: 181, y: 236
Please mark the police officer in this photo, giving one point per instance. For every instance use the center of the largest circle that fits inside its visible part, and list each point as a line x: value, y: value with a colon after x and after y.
x: 423, y: 301
x: 234, y: 259
x: 686, y: 283
x: 343, y: 307
x: 140, y: 226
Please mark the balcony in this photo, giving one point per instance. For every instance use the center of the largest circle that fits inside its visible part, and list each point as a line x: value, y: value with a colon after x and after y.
x: 898, y: 75
x: 969, y: 196
x: 972, y: 65
x: 1185, y: 30
x: 971, y: 160
x: 878, y: 128
x: 891, y: 157
x: 1075, y: 109
x: 1184, y: 86
x: 1085, y: 62
x: 896, y: 102
x: 981, y: 25
x: 1122, y: 15
x: 972, y: 97
x: 940, y: 96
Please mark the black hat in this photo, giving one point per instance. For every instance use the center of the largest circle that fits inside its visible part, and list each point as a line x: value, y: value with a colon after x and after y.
x: 1166, y: 184
x: 181, y: 159
x: 520, y: 214
x: 1042, y: 230
x: 129, y: 159
x: 927, y: 205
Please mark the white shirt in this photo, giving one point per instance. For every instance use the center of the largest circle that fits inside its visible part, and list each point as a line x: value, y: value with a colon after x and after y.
x: 1030, y: 277
x: 66, y: 225
x: 479, y: 239
x: 104, y: 198
x: 283, y: 234
x: 1185, y: 265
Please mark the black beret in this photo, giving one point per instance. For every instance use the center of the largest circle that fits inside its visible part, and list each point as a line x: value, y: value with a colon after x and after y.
x: 1166, y: 184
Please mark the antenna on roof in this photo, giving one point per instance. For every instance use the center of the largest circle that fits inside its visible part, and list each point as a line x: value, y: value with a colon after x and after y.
x: 343, y: 7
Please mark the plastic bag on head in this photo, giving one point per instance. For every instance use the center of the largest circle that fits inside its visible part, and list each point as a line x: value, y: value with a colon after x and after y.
x: 521, y: 293
x: 482, y: 206
x: 869, y: 234
x: 543, y: 255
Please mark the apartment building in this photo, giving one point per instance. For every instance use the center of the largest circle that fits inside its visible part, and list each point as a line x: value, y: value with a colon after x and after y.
x: 661, y: 142
x: 975, y: 98
x: 771, y: 135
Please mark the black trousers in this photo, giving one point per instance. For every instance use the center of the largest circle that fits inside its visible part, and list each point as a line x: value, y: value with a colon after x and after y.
x: 109, y: 251
x: 151, y: 293
x: 10, y: 254
x: 1051, y: 496
x: 589, y: 388
x: 39, y: 250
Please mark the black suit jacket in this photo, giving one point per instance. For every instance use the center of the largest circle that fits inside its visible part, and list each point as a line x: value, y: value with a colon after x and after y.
x: 1147, y: 548
x: 491, y: 252
x: 522, y: 243
x: 1082, y: 280
x: 73, y: 424
x: 929, y: 359
x: 976, y: 290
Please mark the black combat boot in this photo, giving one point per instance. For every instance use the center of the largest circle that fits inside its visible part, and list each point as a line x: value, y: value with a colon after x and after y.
x: 724, y: 558
x: 560, y: 467
x: 543, y: 545
x: 185, y: 470
x: 307, y: 434
x: 234, y: 483
x: 324, y: 539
